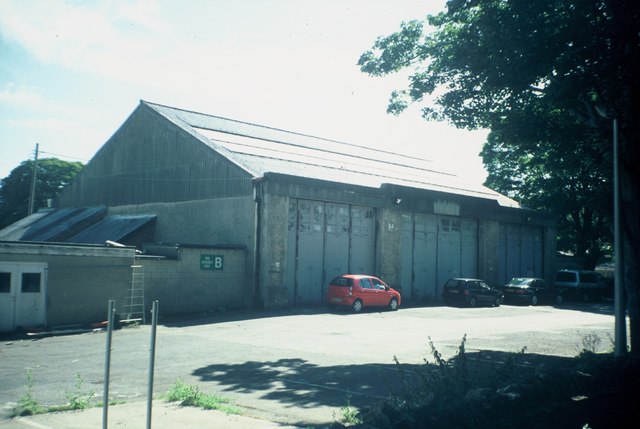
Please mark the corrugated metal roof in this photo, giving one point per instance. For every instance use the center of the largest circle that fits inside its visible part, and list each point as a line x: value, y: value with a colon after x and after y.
x: 85, y: 225
x: 114, y: 228
x: 62, y: 223
x: 260, y: 150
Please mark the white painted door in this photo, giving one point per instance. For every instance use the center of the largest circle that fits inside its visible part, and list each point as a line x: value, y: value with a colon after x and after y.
x: 30, y: 302
x: 22, y: 295
x: 7, y: 297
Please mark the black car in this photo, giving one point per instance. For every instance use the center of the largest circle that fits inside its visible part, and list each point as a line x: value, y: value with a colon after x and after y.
x: 470, y: 292
x: 531, y: 291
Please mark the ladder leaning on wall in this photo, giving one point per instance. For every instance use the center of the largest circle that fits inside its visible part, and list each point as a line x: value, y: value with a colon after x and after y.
x: 133, y: 309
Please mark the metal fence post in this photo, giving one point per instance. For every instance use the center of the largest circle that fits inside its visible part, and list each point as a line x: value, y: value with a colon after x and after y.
x: 152, y: 355
x: 107, y: 365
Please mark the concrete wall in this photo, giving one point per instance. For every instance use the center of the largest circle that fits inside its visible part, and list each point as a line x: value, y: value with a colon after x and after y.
x: 225, y: 221
x: 488, y: 248
x: 181, y: 286
x: 274, y: 214
x: 388, y: 248
x: 80, y: 280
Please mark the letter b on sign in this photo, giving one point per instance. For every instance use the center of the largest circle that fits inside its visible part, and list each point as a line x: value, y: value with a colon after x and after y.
x: 211, y: 262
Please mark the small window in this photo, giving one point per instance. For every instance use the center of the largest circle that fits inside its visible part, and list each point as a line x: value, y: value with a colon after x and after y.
x: 5, y: 282
x: 366, y: 283
x: 452, y: 284
x: 473, y: 285
x: 342, y: 281
x: 379, y: 285
x: 30, y: 282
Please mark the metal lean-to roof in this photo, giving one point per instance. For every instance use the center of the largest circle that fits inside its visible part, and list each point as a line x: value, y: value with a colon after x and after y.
x: 113, y: 228
x: 260, y: 150
x: 85, y: 225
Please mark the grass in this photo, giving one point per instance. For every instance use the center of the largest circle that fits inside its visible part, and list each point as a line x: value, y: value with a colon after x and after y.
x: 191, y: 396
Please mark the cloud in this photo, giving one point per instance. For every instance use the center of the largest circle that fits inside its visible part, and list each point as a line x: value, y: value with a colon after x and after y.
x: 22, y: 97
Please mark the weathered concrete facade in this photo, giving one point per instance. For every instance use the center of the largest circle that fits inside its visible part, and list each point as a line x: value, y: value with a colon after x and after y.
x: 307, y: 209
x: 182, y: 284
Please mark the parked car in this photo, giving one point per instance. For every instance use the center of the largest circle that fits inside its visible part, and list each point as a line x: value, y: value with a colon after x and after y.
x: 470, y: 292
x: 580, y: 284
x: 532, y: 291
x: 358, y: 291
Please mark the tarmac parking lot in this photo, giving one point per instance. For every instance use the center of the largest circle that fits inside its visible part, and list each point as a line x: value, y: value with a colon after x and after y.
x: 297, y: 367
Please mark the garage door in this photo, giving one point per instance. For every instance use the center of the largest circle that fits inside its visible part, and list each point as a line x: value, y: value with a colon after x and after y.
x: 520, y: 249
x: 22, y: 295
x: 326, y: 240
x: 435, y: 249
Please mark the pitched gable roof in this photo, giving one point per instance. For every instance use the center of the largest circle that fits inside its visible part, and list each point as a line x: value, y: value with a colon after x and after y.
x: 261, y: 150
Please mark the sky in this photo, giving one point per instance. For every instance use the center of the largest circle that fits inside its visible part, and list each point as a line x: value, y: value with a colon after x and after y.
x: 71, y: 72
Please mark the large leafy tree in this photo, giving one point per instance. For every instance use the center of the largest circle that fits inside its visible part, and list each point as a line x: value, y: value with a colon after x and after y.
x: 52, y: 175
x: 572, y: 180
x: 547, y: 78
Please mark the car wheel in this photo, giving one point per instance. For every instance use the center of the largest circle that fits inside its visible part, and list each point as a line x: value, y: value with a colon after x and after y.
x: 497, y: 302
x: 559, y: 300
x: 393, y: 304
x: 472, y: 301
x: 357, y: 306
x: 534, y: 300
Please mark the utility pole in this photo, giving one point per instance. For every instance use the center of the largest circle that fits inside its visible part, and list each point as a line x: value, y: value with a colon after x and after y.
x: 32, y: 195
x: 619, y: 298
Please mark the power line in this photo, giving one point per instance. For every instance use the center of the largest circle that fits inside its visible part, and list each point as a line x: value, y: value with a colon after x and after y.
x: 65, y: 156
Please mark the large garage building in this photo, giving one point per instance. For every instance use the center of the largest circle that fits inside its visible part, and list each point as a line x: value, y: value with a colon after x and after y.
x: 307, y: 208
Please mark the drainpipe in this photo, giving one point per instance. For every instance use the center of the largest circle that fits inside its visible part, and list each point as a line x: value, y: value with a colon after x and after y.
x: 257, y: 299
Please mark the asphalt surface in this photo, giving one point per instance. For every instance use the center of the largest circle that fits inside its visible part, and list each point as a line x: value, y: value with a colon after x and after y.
x: 283, y: 369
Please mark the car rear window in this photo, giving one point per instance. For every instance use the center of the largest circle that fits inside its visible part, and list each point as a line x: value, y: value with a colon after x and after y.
x: 453, y: 284
x: 565, y: 276
x: 342, y: 281
x: 589, y: 277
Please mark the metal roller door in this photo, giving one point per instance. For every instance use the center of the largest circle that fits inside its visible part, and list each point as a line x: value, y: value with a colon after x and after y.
x: 363, y: 240
x: 520, y: 250
x: 336, y: 246
x: 449, y: 249
x: 310, y: 245
x: 425, y: 257
x: 325, y: 240
x: 434, y: 249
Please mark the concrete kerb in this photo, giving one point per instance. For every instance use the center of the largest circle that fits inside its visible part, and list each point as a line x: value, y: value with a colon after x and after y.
x: 165, y: 415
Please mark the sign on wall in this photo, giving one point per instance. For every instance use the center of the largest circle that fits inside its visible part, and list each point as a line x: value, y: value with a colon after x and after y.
x: 211, y: 262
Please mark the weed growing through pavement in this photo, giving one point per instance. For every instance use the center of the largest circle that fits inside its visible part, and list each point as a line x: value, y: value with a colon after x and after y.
x: 350, y: 414
x: 27, y: 405
x: 191, y: 396
x: 77, y: 399
x: 590, y: 345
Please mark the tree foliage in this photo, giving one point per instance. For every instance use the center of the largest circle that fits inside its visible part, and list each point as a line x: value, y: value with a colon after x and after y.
x: 52, y: 175
x: 546, y: 77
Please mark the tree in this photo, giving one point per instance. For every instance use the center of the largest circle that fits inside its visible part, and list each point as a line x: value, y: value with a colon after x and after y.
x: 572, y: 181
x: 52, y: 175
x: 564, y: 65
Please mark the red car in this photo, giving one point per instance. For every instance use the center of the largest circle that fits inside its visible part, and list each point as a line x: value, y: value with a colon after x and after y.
x: 358, y: 291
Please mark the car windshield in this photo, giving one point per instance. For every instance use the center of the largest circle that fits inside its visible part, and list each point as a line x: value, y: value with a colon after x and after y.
x: 519, y: 282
